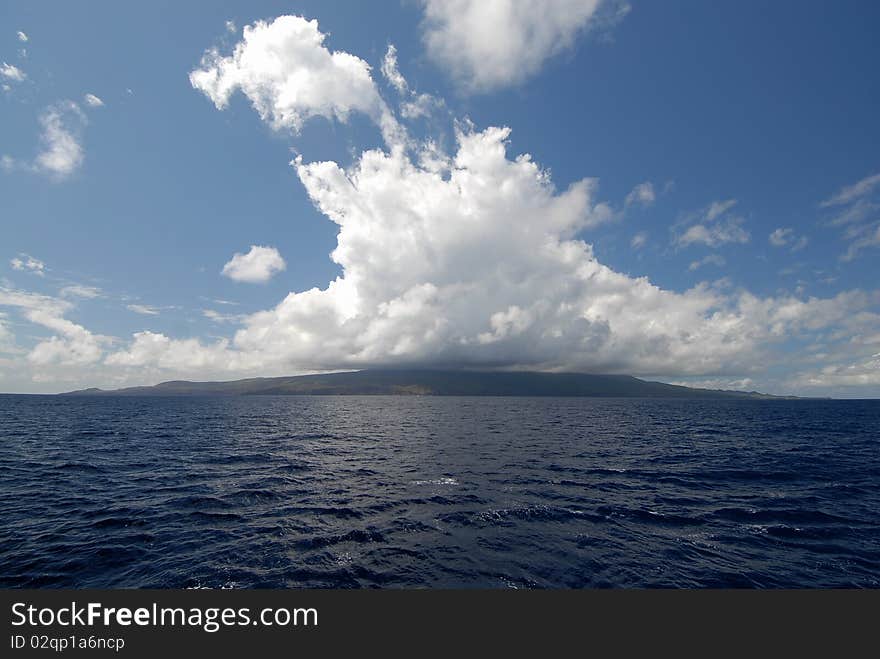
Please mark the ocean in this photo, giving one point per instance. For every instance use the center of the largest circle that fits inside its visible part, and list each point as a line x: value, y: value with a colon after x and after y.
x: 438, y: 492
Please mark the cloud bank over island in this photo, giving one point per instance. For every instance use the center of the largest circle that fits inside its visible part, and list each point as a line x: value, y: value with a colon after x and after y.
x: 467, y: 257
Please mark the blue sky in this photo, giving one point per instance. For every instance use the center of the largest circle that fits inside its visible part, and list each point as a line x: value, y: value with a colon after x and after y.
x: 714, y: 168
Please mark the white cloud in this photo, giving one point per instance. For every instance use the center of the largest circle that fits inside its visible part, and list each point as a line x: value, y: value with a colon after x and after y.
x: 785, y: 236
x: 26, y: 262
x: 710, y: 259
x: 259, y: 265
x: 62, y: 150
x: 157, y: 350
x: 869, y: 237
x: 80, y: 291
x: 858, y: 212
x: 218, y: 317
x: 231, y: 27
x: 487, y: 44
x: 780, y: 237
x: 730, y: 231
x: 289, y: 76
x: 414, y: 104
x: 12, y: 72
x: 21, y: 36
x: 853, y: 192
x: 718, y: 208
x: 143, y: 309
x: 713, y: 226
x: 421, y: 105
x: 93, y: 101
x: 72, y: 344
x: 391, y: 72
x: 859, y: 373
x: 643, y: 194
x: 639, y: 240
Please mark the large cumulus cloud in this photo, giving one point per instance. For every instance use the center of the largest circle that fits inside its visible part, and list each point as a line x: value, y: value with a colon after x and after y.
x: 476, y: 262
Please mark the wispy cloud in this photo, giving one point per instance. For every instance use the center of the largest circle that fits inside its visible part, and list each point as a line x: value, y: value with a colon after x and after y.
x: 12, y: 72
x: 413, y: 104
x: 850, y: 193
x: 643, y: 194
x: 865, y: 237
x: 711, y: 259
x: 143, y: 309
x: 713, y: 226
x: 391, y: 71
x: 856, y: 209
x: 81, y: 291
x: 27, y: 263
x: 786, y: 237
x: 218, y: 317
x: 219, y: 301
x: 62, y: 152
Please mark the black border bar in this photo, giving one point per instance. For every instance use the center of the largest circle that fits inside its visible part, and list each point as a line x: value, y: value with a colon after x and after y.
x: 547, y: 623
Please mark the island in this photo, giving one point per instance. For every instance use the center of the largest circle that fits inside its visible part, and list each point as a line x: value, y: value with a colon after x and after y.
x: 401, y: 382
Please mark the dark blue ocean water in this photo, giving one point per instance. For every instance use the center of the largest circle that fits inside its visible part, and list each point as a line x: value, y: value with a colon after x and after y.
x: 438, y: 492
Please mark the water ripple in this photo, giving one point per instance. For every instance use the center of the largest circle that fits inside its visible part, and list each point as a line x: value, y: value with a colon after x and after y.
x: 353, y: 492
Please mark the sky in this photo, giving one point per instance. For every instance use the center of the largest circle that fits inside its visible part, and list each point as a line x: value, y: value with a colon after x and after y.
x: 684, y: 191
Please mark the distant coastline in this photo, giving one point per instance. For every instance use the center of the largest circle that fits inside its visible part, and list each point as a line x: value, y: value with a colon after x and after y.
x: 433, y: 383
